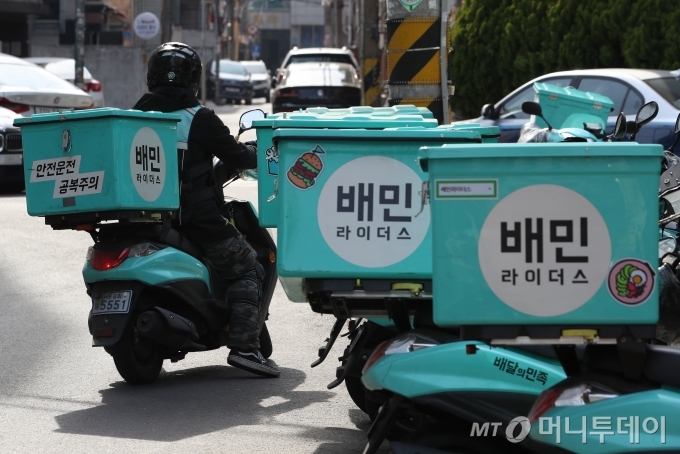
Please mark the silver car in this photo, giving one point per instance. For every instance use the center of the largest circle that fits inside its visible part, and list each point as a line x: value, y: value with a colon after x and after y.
x: 66, y: 69
x: 26, y: 89
x: 629, y: 89
x: 261, y: 78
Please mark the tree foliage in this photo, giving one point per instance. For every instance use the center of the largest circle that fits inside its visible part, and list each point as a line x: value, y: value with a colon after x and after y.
x: 500, y: 44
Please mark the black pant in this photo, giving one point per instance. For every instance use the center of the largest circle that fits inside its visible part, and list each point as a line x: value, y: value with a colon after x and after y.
x: 235, y: 262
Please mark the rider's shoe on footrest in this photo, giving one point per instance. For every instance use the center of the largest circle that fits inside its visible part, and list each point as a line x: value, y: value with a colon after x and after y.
x: 253, y: 362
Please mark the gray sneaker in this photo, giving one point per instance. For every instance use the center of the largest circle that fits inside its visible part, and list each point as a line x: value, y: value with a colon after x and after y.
x: 253, y: 362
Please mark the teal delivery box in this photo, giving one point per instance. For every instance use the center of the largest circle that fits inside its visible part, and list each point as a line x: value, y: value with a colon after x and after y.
x: 544, y: 234
x: 364, y: 117
x: 567, y: 107
x: 351, y: 202
x: 100, y: 160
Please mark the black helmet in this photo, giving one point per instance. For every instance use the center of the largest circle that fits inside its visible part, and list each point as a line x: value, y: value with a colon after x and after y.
x: 174, y: 64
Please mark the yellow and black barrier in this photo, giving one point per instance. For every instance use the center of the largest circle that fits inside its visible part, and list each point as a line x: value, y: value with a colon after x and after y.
x: 413, y: 51
x: 433, y: 104
x: 371, y: 81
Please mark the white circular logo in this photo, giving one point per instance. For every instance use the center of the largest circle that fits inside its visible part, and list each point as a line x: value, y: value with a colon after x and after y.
x: 367, y: 211
x: 146, y: 25
x: 525, y: 428
x: 147, y: 164
x: 544, y: 250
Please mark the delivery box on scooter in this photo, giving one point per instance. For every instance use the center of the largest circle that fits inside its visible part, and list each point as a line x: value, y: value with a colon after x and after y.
x: 544, y: 234
x: 567, y: 107
x: 100, y: 161
x: 364, y: 117
x: 352, y: 218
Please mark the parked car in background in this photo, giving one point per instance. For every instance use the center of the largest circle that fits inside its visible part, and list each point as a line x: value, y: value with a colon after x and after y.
x: 316, y: 54
x: 629, y: 89
x: 229, y: 82
x: 26, y: 88
x: 66, y: 69
x: 11, y: 156
x: 302, y: 85
x: 261, y: 78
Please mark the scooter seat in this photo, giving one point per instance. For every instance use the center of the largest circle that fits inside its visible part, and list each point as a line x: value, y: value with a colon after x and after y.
x: 178, y: 241
x: 662, y: 365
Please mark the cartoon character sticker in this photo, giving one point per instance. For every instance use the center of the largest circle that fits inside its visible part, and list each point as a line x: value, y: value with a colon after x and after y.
x: 307, y: 168
x: 631, y: 281
x: 272, y: 157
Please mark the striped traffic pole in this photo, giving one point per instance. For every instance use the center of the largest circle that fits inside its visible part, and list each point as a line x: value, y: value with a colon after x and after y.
x: 417, y: 32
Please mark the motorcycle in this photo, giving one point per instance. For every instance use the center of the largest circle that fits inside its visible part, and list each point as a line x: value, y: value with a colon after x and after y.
x: 443, y: 390
x: 154, y: 296
x: 630, y: 404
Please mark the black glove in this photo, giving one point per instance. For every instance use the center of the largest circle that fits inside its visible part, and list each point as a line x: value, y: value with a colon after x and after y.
x: 252, y: 143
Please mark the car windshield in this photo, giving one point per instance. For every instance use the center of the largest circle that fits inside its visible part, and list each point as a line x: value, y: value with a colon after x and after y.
x: 319, y: 75
x: 32, y: 77
x: 668, y: 88
x: 232, y: 67
x: 323, y: 58
x: 255, y: 68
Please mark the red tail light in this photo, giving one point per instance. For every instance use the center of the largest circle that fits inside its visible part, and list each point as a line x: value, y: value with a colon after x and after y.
x: 378, y: 353
x: 545, y: 402
x: 287, y: 93
x: 93, y: 85
x: 103, y: 260
x: 13, y: 106
x: 279, y: 77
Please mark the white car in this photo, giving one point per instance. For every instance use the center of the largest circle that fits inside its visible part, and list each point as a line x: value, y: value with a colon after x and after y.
x: 66, y: 69
x: 26, y: 89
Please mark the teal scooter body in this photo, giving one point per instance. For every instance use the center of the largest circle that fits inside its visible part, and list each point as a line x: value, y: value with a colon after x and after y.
x: 167, y: 265
x: 451, y: 368
x: 639, y: 422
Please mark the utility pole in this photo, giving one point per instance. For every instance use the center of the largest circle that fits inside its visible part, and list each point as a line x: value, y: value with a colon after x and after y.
x: 79, y: 48
x: 370, y: 53
x: 203, y: 84
x: 417, y: 53
x: 237, y: 20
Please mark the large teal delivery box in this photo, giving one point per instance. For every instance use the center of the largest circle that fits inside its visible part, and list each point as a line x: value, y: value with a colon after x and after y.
x: 100, y: 160
x: 351, y: 202
x: 567, y: 107
x: 544, y: 234
x: 364, y: 117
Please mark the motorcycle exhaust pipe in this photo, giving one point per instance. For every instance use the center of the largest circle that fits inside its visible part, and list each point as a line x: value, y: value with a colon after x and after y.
x: 152, y: 325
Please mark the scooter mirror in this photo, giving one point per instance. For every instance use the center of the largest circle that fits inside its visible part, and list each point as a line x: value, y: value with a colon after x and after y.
x: 646, y: 113
x: 621, y: 127
x: 246, y: 121
x: 532, y: 108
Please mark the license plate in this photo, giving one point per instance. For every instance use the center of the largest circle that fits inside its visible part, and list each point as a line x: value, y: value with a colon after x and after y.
x: 11, y: 159
x: 112, y: 303
x: 231, y: 90
x: 46, y: 109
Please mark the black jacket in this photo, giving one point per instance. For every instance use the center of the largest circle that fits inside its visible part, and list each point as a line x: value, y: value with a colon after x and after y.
x: 208, y: 137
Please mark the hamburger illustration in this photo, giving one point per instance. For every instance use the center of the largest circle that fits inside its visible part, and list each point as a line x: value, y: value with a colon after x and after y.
x: 306, y: 168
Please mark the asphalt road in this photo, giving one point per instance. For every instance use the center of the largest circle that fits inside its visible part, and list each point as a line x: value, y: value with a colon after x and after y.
x: 59, y: 394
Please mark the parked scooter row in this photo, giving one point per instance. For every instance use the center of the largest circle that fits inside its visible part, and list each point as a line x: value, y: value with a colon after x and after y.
x: 613, y: 406
x: 438, y: 392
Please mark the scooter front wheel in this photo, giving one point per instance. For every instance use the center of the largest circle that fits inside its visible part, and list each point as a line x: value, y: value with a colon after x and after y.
x: 139, y: 360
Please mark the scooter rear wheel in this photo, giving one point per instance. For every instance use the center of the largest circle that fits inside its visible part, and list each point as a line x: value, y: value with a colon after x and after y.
x: 139, y: 360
